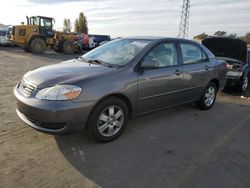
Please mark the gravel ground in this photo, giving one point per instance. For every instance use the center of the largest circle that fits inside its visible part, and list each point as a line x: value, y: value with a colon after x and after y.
x: 179, y: 147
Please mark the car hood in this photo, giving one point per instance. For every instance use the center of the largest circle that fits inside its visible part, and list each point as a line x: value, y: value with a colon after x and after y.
x: 64, y: 73
x: 228, y: 48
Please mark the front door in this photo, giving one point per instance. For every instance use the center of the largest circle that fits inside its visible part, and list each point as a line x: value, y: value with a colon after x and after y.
x: 160, y: 78
x: 46, y: 27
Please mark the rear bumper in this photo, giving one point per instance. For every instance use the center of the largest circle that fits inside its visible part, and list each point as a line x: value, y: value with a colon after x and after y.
x: 52, y: 116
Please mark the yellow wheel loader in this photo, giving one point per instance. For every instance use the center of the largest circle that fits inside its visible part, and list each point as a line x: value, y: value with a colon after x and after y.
x: 38, y: 35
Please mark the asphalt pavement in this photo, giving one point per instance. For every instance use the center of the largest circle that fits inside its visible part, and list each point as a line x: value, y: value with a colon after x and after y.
x: 178, y: 147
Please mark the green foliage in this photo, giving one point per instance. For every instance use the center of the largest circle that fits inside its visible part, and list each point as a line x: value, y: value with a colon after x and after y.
x: 233, y: 35
x: 76, y: 26
x: 246, y: 38
x: 201, y: 36
x: 220, y: 33
x: 67, y: 25
x: 81, y: 24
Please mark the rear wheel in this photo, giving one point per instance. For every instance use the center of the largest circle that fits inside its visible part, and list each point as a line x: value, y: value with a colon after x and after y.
x: 37, y: 46
x: 108, y: 120
x: 68, y: 47
x: 208, y: 97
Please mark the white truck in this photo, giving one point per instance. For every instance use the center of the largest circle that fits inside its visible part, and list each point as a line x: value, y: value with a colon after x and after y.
x: 4, y: 29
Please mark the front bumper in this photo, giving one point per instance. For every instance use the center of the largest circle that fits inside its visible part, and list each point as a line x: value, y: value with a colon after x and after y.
x: 52, y: 116
x: 233, y: 78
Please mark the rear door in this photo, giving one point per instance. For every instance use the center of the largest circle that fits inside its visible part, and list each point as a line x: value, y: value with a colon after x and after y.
x: 160, y: 86
x: 197, y: 70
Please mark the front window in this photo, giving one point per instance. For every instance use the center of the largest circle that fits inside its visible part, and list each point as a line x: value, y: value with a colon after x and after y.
x: 118, y: 52
x: 45, y: 22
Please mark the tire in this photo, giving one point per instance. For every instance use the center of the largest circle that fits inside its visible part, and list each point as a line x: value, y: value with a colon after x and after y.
x: 242, y: 87
x: 103, y: 125
x: 37, y: 46
x: 69, y: 47
x: 208, y: 97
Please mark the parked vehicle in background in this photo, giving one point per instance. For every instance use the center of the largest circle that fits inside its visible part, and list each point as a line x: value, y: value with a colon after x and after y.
x: 38, y: 34
x: 85, y: 41
x: 118, y: 80
x: 3, y: 36
x: 234, y: 52
x: 100, y: 38
x: 249, y: 57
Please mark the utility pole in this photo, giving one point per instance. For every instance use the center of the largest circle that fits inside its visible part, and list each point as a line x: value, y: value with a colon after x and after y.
x: 184, y: 22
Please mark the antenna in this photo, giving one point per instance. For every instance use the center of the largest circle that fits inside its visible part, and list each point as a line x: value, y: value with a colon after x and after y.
x: 183, y: 29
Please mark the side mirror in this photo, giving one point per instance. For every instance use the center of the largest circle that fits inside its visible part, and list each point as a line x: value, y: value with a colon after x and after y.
x: 150, y: 64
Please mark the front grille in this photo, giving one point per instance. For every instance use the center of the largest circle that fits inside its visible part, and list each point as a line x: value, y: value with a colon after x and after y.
x: 26, y: 88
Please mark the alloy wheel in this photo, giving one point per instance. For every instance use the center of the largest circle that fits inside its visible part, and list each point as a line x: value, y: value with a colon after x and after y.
x: 245, y: 84
x: 110, y: 121
x: 210, y: 96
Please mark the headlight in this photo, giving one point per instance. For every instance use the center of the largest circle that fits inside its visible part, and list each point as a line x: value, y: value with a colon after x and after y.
x: 59, y: 92
x: 232, y: 73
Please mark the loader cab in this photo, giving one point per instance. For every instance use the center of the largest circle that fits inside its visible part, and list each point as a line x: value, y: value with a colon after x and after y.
x: 45, y: 25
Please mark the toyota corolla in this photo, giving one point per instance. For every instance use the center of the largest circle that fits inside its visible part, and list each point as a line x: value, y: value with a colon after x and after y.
x: 123, y: 78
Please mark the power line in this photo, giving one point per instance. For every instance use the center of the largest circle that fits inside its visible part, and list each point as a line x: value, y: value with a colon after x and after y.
x: 184, y: 22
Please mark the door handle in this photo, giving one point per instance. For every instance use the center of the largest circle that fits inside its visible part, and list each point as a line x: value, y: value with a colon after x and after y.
x: 177, y: 72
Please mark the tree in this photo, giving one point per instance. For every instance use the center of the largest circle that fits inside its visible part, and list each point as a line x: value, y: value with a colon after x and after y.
x: 220, y: 33
x: 67, y: 25
x: 81, y: 24
x: 246, y: 38
x: 232, y: 35
x: 201, y: 36
x: 76, y: 26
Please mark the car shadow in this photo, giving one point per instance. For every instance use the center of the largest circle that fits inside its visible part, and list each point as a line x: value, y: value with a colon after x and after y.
x: 151, y: 150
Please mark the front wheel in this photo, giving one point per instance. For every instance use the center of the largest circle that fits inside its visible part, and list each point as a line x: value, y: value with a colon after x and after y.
x: 68, y: 47
x: 208, y: 97
x: 37, y: 46
x: 108, y: 120
x: 243, y: 84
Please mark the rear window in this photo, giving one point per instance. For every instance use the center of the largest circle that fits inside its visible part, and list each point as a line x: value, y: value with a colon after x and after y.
x: 192, y: 53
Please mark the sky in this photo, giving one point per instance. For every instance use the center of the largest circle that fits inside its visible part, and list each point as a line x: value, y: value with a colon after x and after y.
x: 120, y: 18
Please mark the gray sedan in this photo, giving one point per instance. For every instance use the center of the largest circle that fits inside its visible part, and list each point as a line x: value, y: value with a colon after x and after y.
x: 121, y: 79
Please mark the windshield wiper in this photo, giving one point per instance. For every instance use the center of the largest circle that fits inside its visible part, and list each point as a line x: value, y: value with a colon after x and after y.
x: 100, y: 62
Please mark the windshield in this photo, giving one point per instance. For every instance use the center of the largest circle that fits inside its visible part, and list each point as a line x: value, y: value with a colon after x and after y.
x: 118, y: 52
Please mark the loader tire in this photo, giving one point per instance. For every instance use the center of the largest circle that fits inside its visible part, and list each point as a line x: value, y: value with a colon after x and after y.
x: 68, y: 47
x: 37, y: 46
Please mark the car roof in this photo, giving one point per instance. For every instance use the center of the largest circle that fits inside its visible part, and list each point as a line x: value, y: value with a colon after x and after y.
x: 155, y: 38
